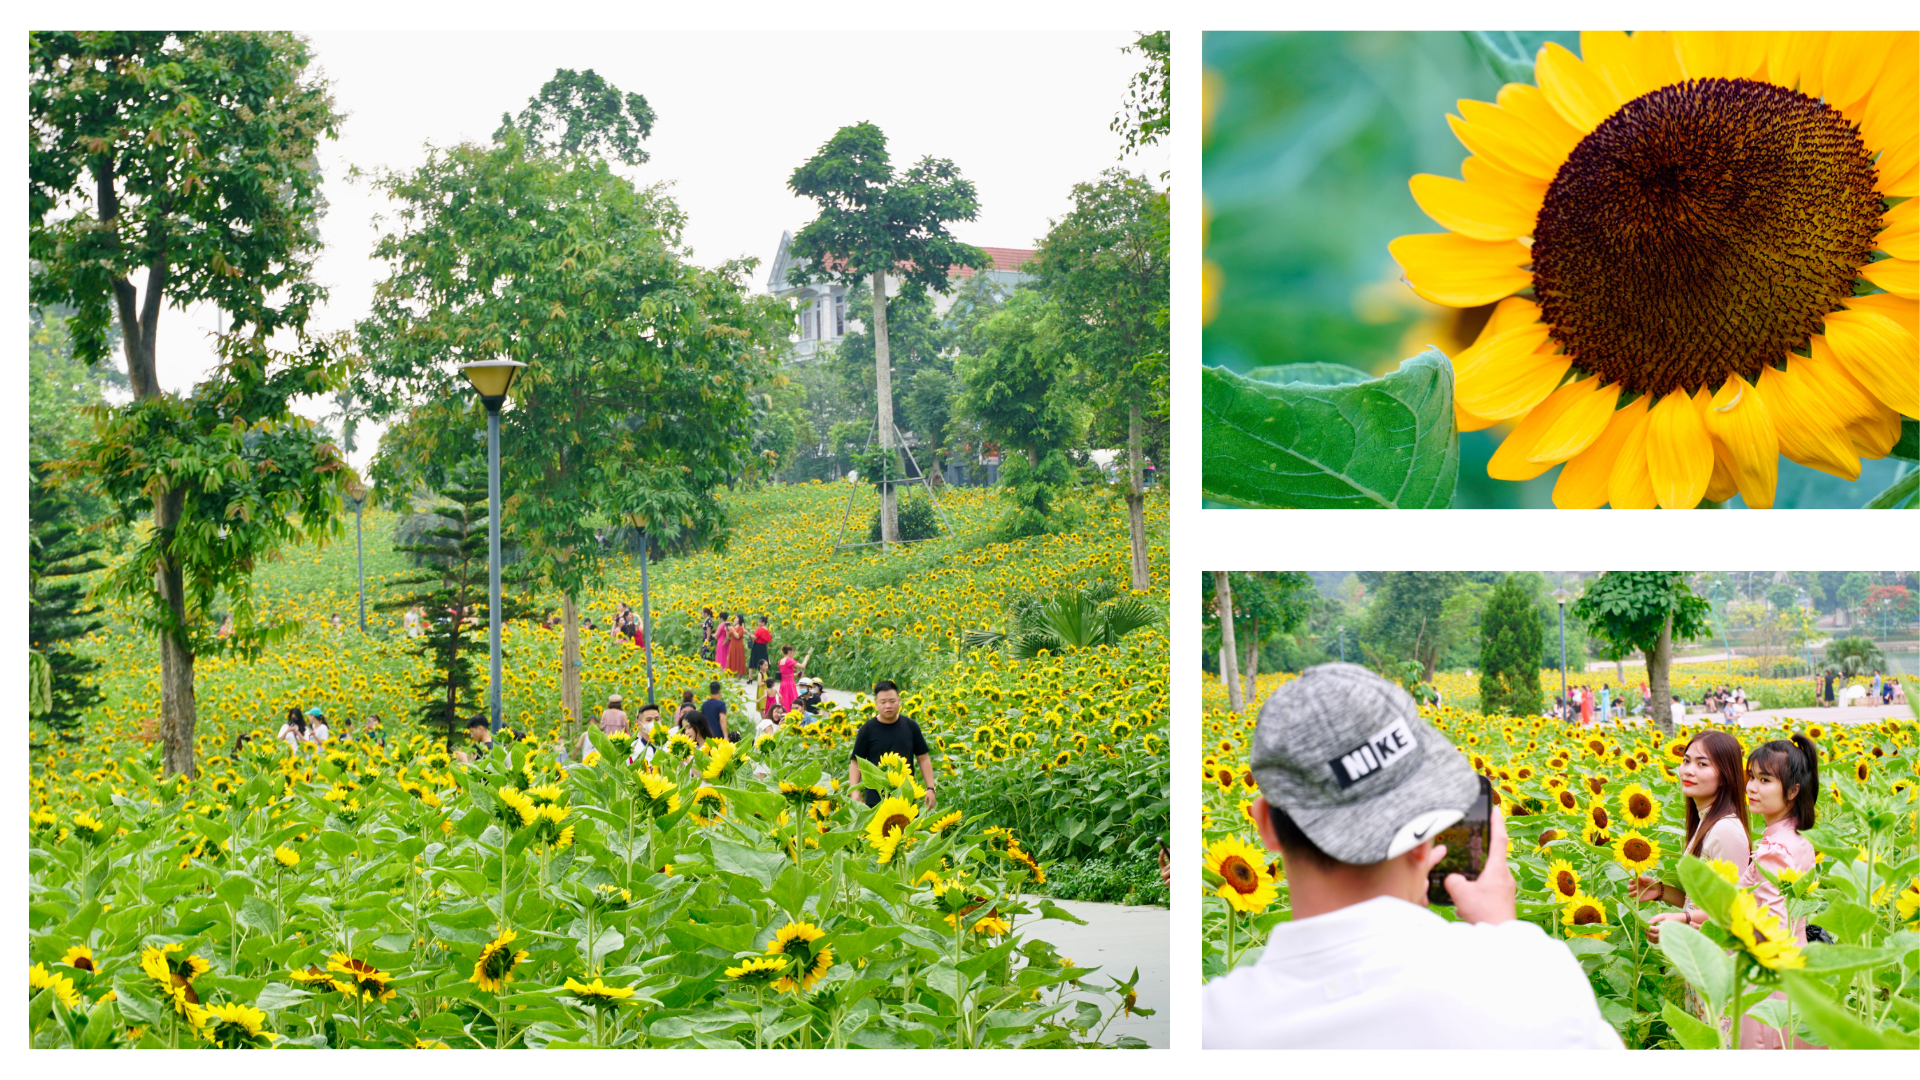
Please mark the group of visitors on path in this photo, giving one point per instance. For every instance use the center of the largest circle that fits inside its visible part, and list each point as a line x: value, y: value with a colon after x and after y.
x: 1884, y: 691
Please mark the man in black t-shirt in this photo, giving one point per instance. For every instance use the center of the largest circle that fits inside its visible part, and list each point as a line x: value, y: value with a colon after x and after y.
x: 715, y: 711
x: 889, y: 731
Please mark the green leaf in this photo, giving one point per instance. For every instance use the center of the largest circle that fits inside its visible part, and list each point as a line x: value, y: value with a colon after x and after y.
x: 1687, y: 1030
x: 1699, y: 961
x: 1900, y: 495
x: 1386, y: 442
x: 1833, y: 1024
x: 1311, y: 374
x: 1908, y: 448
x: 1833, y: 959
x: 1709, y: 891
x: 746, y: 861
x: 1588, y: 947
x: 1849, y: 922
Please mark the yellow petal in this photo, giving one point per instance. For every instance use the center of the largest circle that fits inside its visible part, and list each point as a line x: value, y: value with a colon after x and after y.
x: 1897, y: 276
x: 1838, y: 392
x: 1747, y: 54
x: 1631, y: 66
x: 1504, y: 376
x: 1567, y: 422
x: 1459, y: 271
x: 1881, y: 354
x: 1466, y: 421
x: 1583, y: 484
x: 1507, y: 314
x: 1505, y: 140
x: 1744, y: 437
x: 1629, y: 486
x: 1530, y: 104
x: 1874, y: 435
x: 1898, y: 238
x: 1900, y: 309
x: 1891, y: 112
x: 1795, y: 59
x: 1854, y: 61
x: 1576, y: 92
x: 1679, y: 455
x: 1703, y: 54
x: 1721, y: 486
x: 1808, y: 432
x: 1471, y: 210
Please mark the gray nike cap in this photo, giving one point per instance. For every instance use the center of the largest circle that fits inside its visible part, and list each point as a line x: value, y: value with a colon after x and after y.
x: 1348, y: 756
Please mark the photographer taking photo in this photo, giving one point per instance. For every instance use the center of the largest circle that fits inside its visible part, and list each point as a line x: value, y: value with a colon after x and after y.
x: 1355, y: 787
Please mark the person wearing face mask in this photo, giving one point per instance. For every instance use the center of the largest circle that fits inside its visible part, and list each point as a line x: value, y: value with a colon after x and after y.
x: 1714, y: 781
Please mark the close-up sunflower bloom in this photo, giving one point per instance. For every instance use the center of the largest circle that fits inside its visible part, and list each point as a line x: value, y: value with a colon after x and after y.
x: 1245, y: 883
x: 495, y: 967
x: 1758, y: 933
x: 1699, y: 248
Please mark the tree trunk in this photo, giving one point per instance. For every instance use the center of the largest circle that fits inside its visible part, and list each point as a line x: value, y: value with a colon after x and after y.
x: 1660, y: 695
x: 177, y: 711
x: 883, y: 391
x: 1136, y: 501
x: 570, y: 663
x: 1223, y: 600
x: 1253, y: 657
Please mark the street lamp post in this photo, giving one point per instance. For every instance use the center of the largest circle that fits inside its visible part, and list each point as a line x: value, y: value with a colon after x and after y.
x: 492, y: 378
x: 1560, y: 596
x: 358, y: 493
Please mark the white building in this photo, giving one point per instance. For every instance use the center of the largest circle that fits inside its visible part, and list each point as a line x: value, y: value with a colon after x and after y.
x: 823, y: 304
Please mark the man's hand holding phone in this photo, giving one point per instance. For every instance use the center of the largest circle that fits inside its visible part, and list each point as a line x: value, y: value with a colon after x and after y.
x: 1489, y: 898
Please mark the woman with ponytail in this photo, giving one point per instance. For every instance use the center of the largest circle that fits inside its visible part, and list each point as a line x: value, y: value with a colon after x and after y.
x: 1783, y: 784
x: 1714, y: 780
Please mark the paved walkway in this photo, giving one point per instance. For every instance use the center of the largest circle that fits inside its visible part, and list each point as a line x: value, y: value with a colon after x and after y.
x: 1845, y: 714
x: 1118, y: 939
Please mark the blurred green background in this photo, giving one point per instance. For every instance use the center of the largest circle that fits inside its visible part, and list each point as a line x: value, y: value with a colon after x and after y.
x: 1310, y: 141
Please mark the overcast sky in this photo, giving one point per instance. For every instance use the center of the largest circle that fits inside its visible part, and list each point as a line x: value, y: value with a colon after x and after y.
x: 1024, y: 116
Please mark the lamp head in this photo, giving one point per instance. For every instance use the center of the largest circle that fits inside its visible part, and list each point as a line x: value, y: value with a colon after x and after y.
x: 1561, y: 595
x: 492, y: 378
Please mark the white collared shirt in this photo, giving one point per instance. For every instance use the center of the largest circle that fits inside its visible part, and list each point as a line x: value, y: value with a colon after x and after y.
x: 1386, y: 974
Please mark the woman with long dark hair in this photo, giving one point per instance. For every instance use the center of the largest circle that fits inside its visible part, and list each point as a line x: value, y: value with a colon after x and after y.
x: 294, y: 731
x: 1783, y: 784
x: 1713, y: 777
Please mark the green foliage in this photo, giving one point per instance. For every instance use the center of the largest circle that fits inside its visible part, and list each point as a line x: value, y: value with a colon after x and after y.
x: 578, y: 112
x: 1510, y: 652
x: 1148, y: 112
x: 1020, y: 390
x: 1387, y: 442
x: 917, y: 520
x: 1852, y: 656
x: 452, y: 592
x: 1405, y: 617
x: 60, y: 388
x: 1131, y: 879
x: 1085, y: 618
x: 1627, y: 608
x: 917, y: 343
x: 60, y: 559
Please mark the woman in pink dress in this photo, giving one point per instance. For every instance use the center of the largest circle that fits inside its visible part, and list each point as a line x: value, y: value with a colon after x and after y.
x: 723, y: 642
x: 1783, y: 784
x: 1586, y: 706
x: 737, y: 647
x: 1714, y: 780
x: 789, y: 673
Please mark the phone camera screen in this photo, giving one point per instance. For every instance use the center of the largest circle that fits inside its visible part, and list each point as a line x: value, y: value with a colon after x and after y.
x: 1467, y: 841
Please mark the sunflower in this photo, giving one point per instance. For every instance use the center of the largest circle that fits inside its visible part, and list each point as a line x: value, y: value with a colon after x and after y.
x: 1596, y: 835
x: 80, y: 957
x: 494, y: 969
x: 951, y: 819
x: 1562, y: 880
x: 357, y: 978
x: 709, y: 806
x: 1696, y: 217
x: 313, y: 979
x: 758, y: 970
x: 660, y: 794
x: 1638, y: 806
x: 174, y: 972
x: 1635, y: 852
x: 234, y: 1026
x: 1756, y: 930
x: 1597, y: 816
x: 795, y: 941
x: 1568, y: 800
x: 598, y: 994
x: 992, y: 925
x: 1584, y: 911
x: 1908, y: 902
x: 719, y: 759
x: 1244, y: 882
x: 1724, y: 870
x: 39, y: 978
x: 894, y: 816
x: 286, y: 856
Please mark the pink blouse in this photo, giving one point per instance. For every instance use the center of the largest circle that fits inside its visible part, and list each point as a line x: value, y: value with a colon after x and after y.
x: 1725, y: 840
x: 1780, y: 847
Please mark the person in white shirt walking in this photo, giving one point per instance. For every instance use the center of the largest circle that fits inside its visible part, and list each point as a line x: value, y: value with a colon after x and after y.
x: 1354, y: 786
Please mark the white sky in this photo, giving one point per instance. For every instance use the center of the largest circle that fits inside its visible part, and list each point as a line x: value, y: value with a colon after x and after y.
x: 1023, y: 115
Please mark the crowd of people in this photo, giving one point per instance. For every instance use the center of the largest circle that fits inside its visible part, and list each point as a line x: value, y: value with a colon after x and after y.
x: 1883, y: 690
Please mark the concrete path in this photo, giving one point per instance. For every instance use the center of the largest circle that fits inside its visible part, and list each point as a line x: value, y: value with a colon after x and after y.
x: 1118, y: 938
x: 1845, y: 714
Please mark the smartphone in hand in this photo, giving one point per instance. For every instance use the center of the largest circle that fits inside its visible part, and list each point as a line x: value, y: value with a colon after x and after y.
x: 1467, y: 841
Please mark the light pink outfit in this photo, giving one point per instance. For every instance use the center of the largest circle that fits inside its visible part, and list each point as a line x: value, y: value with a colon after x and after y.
x: 1780, y: 847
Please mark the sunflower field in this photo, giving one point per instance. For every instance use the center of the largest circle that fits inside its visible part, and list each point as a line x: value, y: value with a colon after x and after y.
x: 1586, y: 811
x: 1691, y: 682
x: 378, y: 895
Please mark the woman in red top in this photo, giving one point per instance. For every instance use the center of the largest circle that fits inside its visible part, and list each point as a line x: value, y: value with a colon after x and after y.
x: 762, y: 638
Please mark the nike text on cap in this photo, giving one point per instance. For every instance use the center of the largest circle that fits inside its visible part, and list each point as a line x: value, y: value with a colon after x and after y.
x: 1348, y: 756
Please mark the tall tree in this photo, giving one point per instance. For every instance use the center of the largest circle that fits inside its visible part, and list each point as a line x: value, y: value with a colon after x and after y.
x: 59, y: 556
x: 1647, y: 610
x: 1019, y: 388
x: 1105, y: 266
x: 1404, y: 619
x: 1229, y: 667
x: 450, y: 588
x: 1267, y: 604
x: 180, y: 167
x: 1148, y: 111
x: 637, y: 402
x: 876, y: 224
x: 1510, y: 648
x: 578, y: 112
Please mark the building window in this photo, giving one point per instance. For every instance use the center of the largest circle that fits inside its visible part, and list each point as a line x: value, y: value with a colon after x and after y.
x: 840, y: 315
x: 806, y: 322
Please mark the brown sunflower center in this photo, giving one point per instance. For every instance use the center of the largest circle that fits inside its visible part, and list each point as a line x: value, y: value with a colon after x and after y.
x: 1239, y: 874
x: 1587, y: 915
x: 1600, y: 816
x: 1564, y: 882
x: 1636, y: 850
x: 895, y: 823
x: 1639, y: 805
x: 1704, y: 229
x: 1569, y: 800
